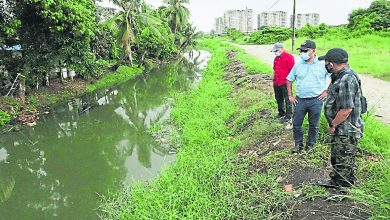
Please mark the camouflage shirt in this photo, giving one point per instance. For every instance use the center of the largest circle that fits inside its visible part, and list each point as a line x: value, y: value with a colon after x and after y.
x: 344, y: 92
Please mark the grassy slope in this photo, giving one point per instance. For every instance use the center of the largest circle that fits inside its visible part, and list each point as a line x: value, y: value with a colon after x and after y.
x: 368, y: 54
x: 208, y: 179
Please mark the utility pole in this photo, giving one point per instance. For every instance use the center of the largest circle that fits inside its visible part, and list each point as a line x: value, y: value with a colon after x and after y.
x: 293, y: 28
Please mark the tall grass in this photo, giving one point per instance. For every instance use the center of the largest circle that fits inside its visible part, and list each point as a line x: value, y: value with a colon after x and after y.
x: 369, y: 54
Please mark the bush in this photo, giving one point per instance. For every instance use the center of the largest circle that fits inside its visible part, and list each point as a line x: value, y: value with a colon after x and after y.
x: 374, y: 18
x: 270, y: 35
x: 4, y: 117
x: 234, y: 34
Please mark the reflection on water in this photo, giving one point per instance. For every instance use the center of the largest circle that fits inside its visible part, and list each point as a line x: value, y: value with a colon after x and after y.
x: 90, y: 145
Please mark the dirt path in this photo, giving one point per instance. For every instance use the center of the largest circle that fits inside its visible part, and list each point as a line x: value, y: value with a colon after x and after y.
x: 377, y: 91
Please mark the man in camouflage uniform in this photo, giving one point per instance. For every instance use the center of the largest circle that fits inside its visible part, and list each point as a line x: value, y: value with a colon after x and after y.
x: 343, y: 111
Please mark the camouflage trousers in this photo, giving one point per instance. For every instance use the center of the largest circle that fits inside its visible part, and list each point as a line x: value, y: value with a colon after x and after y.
x: 343, y: 151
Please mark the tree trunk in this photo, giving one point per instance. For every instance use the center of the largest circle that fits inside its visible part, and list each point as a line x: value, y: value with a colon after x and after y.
x: 70, y: 74
x: 47, y: 79
x: 61, y: 75
x: 22, y: 88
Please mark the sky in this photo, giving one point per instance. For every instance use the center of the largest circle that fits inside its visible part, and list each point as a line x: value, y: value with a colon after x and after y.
x: 332, y: 12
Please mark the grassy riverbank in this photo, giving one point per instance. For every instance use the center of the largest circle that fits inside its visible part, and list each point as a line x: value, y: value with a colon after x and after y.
x: 27, y: 110
x: 234, y: 159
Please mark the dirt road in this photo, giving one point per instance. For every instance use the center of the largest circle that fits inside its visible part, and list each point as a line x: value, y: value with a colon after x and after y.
x: 376, y: 91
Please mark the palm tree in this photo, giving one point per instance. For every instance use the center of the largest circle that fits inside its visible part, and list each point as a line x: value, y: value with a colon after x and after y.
x: 177, y: 14
x: 189, y: 38
x: 135, y: 16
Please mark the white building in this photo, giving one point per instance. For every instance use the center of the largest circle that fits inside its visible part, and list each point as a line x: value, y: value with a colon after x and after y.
x: 219, y: 26
x: 272, y: 18
x: 241, y: 20
x: 303, y: 19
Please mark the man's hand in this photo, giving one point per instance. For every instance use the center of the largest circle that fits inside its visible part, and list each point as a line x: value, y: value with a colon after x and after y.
x: 293, y: 100
x: 331, y: 130
x: 323, y: 95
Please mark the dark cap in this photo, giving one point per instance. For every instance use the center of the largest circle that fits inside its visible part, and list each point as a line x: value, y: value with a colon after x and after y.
x: 308, y: 44
x: 336, y: 55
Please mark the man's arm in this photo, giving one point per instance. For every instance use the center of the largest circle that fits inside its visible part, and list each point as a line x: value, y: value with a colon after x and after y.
x: 290, y: 95
x: 341, y: 116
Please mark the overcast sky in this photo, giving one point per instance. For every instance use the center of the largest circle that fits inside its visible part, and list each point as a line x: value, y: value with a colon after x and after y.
x: 331, y: 12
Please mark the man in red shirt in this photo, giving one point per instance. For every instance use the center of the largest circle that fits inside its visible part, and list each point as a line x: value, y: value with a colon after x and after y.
x: 283, y: 63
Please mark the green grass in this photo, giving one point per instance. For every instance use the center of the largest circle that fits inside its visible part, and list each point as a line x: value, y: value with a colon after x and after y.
x: 367, y: 54
x: 254, y: 65
x: 4, y: 117
x: 122, y: 74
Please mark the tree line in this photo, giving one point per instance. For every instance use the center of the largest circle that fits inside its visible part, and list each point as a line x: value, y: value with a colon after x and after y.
x: 37, y: 37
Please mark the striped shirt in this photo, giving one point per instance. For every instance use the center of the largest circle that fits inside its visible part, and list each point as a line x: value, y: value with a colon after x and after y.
x: 311, y: 78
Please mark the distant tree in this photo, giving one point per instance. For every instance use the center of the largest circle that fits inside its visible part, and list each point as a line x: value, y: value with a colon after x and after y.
x: 234, y: 34
x: 178, y: 15
x: 270, y: 35
x: 376, y: 17
x: 130, y: 21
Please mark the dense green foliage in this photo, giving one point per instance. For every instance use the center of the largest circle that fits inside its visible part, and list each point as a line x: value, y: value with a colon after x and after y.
x: 48, y: 34
x: 4, y: 117
x: 234, y: 34
x: 270, y: 35
x: 375, y: 18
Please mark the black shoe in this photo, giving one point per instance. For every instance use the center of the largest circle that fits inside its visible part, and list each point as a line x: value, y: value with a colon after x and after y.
x: 297, y: 149
x: 309, y: 148
x: 327, y: 184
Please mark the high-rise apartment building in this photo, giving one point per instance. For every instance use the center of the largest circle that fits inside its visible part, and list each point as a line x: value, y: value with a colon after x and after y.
x: 272, y: 18
x: 303, y: 19
x: 241, y: 20
x: 219, y: 26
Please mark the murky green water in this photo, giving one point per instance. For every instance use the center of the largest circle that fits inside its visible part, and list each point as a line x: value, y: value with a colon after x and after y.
x: 82, y: 149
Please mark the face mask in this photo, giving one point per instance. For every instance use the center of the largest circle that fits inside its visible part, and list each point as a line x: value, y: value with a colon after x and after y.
x: 329, y: 67
x: 305, y: 56
x: 277, y: 53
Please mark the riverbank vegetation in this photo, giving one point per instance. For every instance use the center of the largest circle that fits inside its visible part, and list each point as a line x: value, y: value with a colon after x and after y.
x: 366, y: 38
x: 234, y: 159
x: 44, y: 42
